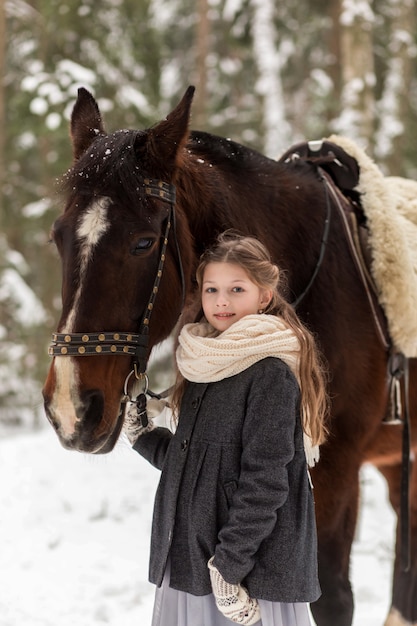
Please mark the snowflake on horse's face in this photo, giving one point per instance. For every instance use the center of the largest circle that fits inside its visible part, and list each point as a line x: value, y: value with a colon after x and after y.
x: 110, y: 238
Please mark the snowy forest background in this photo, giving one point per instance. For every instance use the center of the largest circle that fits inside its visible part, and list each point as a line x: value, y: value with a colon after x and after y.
x: 267, y: 74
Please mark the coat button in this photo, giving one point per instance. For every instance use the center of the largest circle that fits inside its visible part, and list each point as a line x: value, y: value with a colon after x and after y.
x: 195, y: 403
x: 184, y: 444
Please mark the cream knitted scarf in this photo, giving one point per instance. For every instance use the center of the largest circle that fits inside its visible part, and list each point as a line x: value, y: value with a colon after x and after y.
x: 205, y: 355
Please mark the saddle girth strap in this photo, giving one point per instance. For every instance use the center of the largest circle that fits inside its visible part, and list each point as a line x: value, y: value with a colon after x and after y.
x: 343, y: 206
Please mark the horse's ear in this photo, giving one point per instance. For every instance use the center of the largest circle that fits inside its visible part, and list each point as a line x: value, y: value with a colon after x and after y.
x: 166, y: 138
x: 86, y: 122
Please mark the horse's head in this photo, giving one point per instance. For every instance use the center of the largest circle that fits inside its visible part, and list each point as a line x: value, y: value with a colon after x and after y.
x: 121, y: 261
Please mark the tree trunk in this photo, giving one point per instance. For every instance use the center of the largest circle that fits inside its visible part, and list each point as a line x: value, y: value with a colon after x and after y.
x: 357, y: 116
x: 202, y: 46
x: 334, y: 46
x: 269, y: 59
x: 394, y: 106
x: 2, y: 104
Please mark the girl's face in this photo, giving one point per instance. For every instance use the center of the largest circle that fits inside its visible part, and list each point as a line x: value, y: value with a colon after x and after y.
x: 228, y: 294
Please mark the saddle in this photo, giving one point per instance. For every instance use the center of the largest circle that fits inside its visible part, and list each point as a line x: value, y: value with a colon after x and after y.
x: 333, y: 159
x: 343, y: 172
x: 382, y: 216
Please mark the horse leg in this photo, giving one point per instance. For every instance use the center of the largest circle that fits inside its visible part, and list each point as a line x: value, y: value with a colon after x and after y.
x: 404, y: 589
x: 337, y: 501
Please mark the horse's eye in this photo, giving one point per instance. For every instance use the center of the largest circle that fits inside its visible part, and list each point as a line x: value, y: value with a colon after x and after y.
x: 142, y: 245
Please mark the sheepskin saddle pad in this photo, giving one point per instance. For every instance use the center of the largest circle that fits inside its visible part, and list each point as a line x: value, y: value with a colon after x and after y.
x: 390, y: 207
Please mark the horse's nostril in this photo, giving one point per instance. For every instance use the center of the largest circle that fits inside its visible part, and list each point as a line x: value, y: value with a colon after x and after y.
x: 92, y: 408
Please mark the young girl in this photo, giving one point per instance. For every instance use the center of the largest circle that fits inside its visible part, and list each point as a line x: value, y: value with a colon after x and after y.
x: 234, y: 536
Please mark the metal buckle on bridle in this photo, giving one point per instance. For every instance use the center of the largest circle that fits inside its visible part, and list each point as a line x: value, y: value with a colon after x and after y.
x: 140, y: 401
x: 138, y: 377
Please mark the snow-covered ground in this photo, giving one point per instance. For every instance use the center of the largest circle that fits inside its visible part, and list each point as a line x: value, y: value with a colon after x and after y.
x: 75, y: 531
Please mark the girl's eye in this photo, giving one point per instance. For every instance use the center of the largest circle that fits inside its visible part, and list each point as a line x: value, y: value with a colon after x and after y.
x: 142, y: 245
x: 211, y: 290
x: 238, y: 289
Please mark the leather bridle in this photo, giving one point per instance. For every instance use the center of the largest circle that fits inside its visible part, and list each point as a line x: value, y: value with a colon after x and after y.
x: 127, y: 343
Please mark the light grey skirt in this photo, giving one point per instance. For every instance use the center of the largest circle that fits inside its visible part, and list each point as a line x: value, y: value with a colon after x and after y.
x: 177, y: 608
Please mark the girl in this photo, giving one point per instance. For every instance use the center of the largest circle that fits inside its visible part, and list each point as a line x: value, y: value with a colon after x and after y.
x: 234, y: 536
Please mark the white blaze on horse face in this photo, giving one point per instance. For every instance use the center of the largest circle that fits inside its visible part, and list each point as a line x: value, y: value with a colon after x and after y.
x: 65, y: 398
x: 92, y: 226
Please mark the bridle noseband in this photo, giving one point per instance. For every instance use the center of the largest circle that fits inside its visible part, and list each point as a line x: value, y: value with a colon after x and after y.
x: 127, y: 343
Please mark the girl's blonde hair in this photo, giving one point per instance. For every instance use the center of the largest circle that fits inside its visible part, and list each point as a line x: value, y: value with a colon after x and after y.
x: 254, y: 258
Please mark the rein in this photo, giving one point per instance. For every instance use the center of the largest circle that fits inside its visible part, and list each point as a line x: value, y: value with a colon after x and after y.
x: 324, y: 240
x: 126, y: 343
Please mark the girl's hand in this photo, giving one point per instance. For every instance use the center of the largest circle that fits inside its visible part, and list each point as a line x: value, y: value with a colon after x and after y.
x: 133, y: 426
x: 233, y: 600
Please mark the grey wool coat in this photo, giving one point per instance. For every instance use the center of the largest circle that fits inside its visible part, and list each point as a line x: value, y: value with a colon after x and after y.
x: 234, y: 484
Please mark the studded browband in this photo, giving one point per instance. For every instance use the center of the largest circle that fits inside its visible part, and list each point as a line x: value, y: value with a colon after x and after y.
x: 83, y: 344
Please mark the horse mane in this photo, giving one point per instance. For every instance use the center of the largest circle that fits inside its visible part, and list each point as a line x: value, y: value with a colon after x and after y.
x: 223, y: 147
x: 226, y: 180
x: 226, y: 153
x: 116, y: 164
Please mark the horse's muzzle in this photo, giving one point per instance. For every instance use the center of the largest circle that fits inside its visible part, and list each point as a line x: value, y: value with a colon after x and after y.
x: 84, y: 427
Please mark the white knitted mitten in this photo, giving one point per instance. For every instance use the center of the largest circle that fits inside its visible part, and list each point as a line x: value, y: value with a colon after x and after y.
x: 233, y: 600
x: 132, y: 426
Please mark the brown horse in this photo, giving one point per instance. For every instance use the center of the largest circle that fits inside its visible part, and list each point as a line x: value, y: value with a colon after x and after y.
x: 128, y: 254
